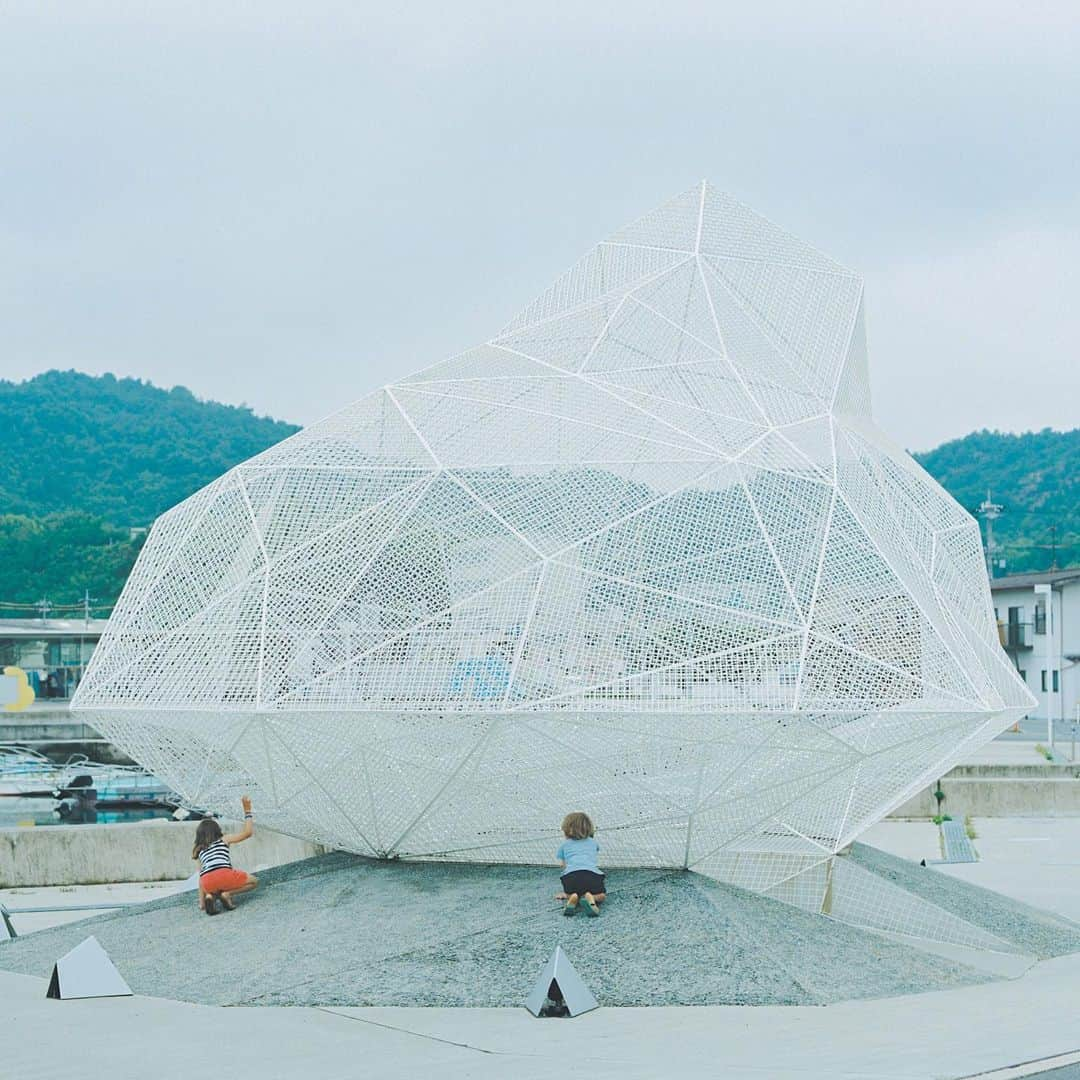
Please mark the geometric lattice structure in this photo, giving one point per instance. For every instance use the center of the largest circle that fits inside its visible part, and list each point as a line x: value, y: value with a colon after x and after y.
x: 643, y: 553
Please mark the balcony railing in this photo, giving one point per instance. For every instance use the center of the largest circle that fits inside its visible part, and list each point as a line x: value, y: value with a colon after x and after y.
x: 1015, y: 635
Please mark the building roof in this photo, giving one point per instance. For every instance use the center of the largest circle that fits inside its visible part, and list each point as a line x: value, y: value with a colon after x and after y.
x: 52, y: 628
x: 1026, y: 581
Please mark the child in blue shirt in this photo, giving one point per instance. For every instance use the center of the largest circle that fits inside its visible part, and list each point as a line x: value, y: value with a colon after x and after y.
x: 581, y: 876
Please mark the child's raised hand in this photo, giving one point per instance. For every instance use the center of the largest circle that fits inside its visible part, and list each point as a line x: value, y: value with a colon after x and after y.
x: 245, y: 802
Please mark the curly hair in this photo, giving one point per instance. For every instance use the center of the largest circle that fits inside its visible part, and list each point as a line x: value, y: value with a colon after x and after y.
x: 577, y: 826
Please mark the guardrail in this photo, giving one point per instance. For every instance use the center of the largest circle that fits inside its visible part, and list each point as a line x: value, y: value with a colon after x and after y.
x: 1015, y: 635
x: 6, y: 912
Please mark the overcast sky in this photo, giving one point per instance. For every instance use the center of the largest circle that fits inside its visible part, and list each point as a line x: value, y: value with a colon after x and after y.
x: 288, y: 205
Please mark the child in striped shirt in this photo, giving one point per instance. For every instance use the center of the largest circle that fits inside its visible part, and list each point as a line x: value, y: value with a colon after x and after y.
x: 218, y: 881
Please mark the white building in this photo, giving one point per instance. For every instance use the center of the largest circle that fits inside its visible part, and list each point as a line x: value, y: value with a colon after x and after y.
x: 53, y: 652
x: 1039, y: 626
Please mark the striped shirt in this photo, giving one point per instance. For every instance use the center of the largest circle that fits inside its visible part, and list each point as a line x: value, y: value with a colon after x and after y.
x: 215, y: 857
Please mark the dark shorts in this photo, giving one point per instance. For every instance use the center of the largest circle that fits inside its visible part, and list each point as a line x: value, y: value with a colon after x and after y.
x: 582, y: 881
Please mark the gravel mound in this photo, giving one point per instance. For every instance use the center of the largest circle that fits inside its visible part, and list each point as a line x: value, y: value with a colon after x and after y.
x: 342, y: 930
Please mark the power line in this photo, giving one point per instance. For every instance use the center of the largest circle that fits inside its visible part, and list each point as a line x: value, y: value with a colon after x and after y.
x: 45, y: 607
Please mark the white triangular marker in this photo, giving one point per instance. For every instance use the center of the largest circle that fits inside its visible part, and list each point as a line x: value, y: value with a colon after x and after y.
x: 87, y: 972
x: 575, y: 993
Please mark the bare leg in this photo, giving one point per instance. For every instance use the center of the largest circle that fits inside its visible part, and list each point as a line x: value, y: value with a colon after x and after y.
x: 207, y: 900
x: 251, y: 884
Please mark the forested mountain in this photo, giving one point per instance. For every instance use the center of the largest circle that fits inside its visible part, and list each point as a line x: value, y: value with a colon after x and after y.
x: 87, y: 462
x: 60, y: 559
x: 118, y: 448
x: 1035, y: 477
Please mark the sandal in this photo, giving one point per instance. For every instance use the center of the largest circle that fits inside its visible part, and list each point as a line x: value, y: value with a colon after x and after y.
x: 210, y: 906
x: 571, y: 905
x: 227, y: 905
x: 591, y: 905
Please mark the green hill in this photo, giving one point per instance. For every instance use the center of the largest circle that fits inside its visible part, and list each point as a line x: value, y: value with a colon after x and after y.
x: 1035, y: 477
x: 86, y: 462
x: 118, y: 448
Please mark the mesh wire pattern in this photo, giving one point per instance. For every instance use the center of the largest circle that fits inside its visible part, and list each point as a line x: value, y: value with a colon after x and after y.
x: 644, y: 552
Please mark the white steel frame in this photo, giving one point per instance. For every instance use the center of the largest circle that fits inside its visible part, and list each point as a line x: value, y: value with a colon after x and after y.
x: 643, y: 553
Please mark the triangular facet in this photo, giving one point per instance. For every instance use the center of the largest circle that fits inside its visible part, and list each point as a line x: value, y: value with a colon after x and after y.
x: 86, y: 972
x: 560, y: 973
x: 808, y: 313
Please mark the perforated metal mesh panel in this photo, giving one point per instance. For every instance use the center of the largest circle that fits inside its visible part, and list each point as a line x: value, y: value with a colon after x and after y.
x: 642, y: 553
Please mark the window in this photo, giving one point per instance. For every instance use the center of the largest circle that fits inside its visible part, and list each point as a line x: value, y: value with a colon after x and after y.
x: 1054, y: 683
x: 1040, y: 619
x: 1044, y: 678
x: 1015, y: 616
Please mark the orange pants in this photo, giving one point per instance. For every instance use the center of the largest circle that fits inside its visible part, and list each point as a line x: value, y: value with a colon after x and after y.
x: 224, y: 880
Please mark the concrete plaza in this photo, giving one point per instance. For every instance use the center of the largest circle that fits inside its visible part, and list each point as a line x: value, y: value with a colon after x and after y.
x: 950, y: 1034
x: 1024, y: 1024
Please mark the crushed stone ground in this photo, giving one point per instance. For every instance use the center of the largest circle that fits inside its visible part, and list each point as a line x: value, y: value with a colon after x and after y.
x: 343, y: 930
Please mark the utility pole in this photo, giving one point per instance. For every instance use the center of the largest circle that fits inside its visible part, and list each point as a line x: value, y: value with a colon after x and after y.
x: 44, y: 607
x: 82, y: 641
x: 990, y: 511
x: 86, y: 606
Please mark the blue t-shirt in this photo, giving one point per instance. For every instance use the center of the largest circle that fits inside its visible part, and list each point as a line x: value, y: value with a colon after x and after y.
x: 579, y: 855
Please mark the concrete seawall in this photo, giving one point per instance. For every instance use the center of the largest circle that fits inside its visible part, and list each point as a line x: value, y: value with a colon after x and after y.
x: 45, y: 721
x: 1049, y: 790
x: 140, y: 851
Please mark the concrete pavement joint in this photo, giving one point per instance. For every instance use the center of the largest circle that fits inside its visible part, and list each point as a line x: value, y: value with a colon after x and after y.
x: 582, y: 1058
x: 1034, y: 1067
x: 416, y: 1034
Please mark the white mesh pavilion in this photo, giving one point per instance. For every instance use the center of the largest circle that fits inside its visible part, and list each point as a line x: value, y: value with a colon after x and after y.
x: 643, y: 553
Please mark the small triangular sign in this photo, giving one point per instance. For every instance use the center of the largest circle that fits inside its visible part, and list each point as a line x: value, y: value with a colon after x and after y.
x: 86, y: 972
x: 575, y: 993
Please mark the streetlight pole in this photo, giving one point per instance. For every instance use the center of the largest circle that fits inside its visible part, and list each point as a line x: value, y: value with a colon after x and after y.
x: 990, y: 511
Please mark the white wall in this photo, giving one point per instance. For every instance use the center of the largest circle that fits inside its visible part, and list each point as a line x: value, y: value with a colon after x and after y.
x: 137, y: 851
x: 1062, y: 638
